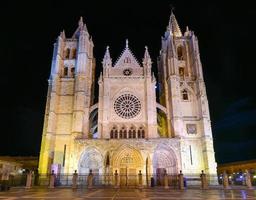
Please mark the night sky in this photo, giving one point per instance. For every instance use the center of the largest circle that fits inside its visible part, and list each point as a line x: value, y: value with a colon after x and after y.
x: 226, y: 33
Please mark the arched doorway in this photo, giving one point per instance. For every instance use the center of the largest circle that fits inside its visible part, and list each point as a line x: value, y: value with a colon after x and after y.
x: 91, y: 159
x: 164, y: 161
x: 127, y: 161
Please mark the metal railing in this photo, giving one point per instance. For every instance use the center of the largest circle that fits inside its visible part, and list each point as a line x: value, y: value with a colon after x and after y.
x: 122, y: 180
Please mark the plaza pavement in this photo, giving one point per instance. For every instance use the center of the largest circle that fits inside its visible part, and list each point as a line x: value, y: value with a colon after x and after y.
x: 126, y: 194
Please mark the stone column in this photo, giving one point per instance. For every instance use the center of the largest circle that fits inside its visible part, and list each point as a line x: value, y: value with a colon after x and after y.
x: 90, y: 179
x: 248, y: 179
x: 204, y: 184
x: 29, y: 180
x: 74, y: 180
x: 52, y: 180
x: 181, y: 181
x: 140, y: 179
x: 225, y: 181
x: 116, y: 180
x: 166, y: 186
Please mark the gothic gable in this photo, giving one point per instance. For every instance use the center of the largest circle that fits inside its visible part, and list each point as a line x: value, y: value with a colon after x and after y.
x: 127, y: 59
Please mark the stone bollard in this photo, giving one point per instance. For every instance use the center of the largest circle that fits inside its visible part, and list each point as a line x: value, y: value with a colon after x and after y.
x: 166, y: 186
x: 29, y: 180
x: 225, y: 181
x: 90, y: 179
x: 204, y: 184
x: 248, y: 179
x: 116, y: 180
x: 181, y: 181
x: 74, y: 180
x: 140, y: 179
x: 52, y: 180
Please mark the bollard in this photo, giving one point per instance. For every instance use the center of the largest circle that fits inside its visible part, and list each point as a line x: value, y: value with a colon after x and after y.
x: 204, y: 184
x: 152, y: 182
x: 181, y: 181
x: 52, y: 180
x: 140, y: 179
x: 90, y: 179
x: 74, y: 180
x: 166, y: 186
x: 116, y: 180
x: 225, y: 181
x: 248, y: 179
x: 29, y: 180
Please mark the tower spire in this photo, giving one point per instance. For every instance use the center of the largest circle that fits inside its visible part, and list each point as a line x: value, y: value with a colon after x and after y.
x: 107, y: 61
x: 80, y: 22
x: 147, y: 60
x: 126, y: 44
x: 174, y: 26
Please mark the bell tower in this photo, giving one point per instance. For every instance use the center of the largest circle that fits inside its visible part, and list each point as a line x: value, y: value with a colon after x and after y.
x: 70, y: 94
x: 183, y: 93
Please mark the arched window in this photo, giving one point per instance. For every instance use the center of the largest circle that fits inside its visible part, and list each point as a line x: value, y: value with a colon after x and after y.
x: 180, y: 53
x: 116, y: 134
x: 184, y: 94
x: 133, y: 134
x: 65, y: 71
x: 142, y: 134
x: 181, y: 72
x: 120, y: 134
x: 125, y: 134
x: 130, y: 133
x: 127, y: 60
x: 111, y: 134
x: 139, y: 134
x: 72, y: 71
x: 73, y: 54
x: 67, y: 52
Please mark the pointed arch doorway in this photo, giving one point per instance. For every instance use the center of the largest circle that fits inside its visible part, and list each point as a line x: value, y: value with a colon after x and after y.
x: 127, y: 161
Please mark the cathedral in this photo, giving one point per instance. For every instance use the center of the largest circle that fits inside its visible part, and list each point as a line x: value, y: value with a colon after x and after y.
x: 128, y: 129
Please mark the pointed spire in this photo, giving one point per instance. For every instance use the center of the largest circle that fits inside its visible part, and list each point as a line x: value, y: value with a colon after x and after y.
x: 146, y: 54
x: 62, y: 34
x: 107, y: 61
x: 188, y: 32
x: 126, y: 44
x: 174, y: 26
x: 81, y: 22
x: 146, y: 59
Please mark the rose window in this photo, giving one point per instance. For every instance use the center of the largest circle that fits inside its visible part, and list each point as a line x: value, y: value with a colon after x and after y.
x: 127, y: 106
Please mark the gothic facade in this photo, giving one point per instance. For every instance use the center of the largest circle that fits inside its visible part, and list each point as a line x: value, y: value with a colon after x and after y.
x: 127, y: 130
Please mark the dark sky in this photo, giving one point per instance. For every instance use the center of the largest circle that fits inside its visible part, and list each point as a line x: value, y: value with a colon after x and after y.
x: 226, y: 33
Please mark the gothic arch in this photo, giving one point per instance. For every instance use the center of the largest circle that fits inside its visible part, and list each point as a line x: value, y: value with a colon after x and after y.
x: 91, y: 158
x: 164, y: 158
x: 127, y: 153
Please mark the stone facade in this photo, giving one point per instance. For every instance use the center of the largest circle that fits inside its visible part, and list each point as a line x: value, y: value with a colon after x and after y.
x: 127, y: 130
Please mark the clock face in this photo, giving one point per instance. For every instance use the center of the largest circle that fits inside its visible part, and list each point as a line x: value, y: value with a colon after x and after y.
x: 127, y: 72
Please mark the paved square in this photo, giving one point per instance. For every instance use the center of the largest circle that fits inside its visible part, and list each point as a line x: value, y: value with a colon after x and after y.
x: 126, y: 194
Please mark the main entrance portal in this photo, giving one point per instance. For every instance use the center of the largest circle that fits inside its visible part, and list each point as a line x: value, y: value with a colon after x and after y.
x: 128, y: 161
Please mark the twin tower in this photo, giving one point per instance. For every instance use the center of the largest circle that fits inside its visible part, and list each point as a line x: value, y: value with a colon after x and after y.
x: 127, y: 129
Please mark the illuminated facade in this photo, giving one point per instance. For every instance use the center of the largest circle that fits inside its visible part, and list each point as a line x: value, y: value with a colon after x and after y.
x: 127, y: 130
